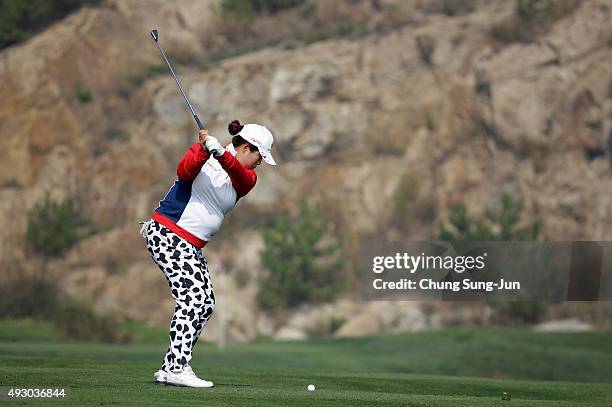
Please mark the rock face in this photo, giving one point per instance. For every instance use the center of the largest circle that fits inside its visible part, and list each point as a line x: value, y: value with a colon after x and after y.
x: 435, y: 101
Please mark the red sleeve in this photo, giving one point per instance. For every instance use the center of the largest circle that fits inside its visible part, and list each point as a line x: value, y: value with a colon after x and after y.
x: 243, y: 179
x: 192, y: 162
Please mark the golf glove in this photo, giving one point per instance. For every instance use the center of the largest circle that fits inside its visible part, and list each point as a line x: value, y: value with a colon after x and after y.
x: 213, y: 146
x: 143, y: 229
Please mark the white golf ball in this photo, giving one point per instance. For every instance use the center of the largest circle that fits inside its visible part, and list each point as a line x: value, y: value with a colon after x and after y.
x: 311, y: 387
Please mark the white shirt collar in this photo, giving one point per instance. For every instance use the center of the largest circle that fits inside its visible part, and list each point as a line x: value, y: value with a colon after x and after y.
x: 231, y: 149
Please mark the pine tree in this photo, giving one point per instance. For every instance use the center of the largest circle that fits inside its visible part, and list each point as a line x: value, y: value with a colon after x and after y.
x: 496, y: 225
x: 54, y: 227
x: 303, y: 260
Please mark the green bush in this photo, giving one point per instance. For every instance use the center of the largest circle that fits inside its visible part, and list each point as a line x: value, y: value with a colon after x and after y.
x: 237, y: 8
x: 129, y: 83
x: 450, y: 7
x: 336, y: 323
x: 156, y: 69
x: 426, y: 47
x: 116, y: 133
x: 83, y: 92
x: 274, y: 6
x: 28, y: 297
x: 54, y: 227
x: 300, y: 266
x: 248, y: 8
x: 40, y: 298
x: 531, y: 19
x: 495, y: 225
x: 520, y: 312
x: 404, y: 194
x: 483, y: 86
x: 77, y: 321
x: 544, y: 11
x: 408, y: 207
x: 11, y: 183
x: 20, y: 19
x: 340, y: 30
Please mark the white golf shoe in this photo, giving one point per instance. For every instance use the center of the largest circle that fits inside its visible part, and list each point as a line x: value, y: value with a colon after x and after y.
x: 186, y: 378
x: 160, y: 376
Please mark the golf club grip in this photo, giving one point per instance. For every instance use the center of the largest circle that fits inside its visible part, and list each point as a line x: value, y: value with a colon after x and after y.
x: 197, y: 119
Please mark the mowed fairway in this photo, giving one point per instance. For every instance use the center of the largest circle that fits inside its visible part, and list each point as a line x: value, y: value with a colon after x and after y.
x: 438, y: 368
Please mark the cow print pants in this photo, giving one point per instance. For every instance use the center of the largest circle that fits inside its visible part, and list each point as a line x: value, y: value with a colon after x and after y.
x: 186, y: 271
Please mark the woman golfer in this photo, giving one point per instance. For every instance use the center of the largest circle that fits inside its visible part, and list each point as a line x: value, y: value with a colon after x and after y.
x: 211, y: 179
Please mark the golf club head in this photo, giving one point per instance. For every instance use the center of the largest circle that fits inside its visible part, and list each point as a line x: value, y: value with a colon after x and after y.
x: 154, y: 35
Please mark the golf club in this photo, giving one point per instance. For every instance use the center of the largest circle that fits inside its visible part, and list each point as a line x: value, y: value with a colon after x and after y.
x: 195, y: 116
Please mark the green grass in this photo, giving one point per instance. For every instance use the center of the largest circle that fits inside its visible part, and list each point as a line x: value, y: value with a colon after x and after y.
x: 454, y: 367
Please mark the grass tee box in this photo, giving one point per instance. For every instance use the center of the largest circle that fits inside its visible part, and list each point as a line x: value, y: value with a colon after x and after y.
x: 459, y: 367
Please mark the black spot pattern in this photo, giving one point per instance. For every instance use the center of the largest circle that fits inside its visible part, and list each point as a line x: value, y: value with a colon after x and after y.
x: 186, y: 271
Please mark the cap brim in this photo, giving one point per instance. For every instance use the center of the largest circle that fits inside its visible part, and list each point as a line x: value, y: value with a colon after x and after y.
x: 268, y: 158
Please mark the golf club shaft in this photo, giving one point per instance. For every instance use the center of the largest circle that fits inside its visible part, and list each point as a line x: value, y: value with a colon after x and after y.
x: 195, y: 116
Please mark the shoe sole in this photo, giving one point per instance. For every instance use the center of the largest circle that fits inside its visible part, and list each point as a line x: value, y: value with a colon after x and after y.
x: 183, y: 385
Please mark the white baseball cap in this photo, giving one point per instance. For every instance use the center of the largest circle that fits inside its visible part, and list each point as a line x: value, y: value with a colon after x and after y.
x: 260, y: 137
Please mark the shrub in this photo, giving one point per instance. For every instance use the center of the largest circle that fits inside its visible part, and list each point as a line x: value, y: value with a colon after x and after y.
x: 11, y: 183
x: 28, y: 297
x: 40, y: 298
x: 483, y: 86
x: 116, y: 133
x: 496, y: 225
x: 405, y: 193
x: 156, y: 69
x: 410, y: 206
x: 336, y: 323
x: 112, y: 265
x: 337, y: 31
x: 129, y: 83
x: 303, y: 260
x: 77, y: 321
x: 237, y: 8
x: 520, y: 312
x: 54, y: 227
x: 426, y: 47
x: 20, y: 19
x: 247, y: 8
x: 532, y: 18
x: 274, y: 6
x: 430, y: 122
x: 83, y: 93
x: 450, y: 7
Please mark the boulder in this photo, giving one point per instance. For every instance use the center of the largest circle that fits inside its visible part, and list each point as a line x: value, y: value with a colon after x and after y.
x: 290, y: 334
x: 563, y: 325
x: 385, y: 316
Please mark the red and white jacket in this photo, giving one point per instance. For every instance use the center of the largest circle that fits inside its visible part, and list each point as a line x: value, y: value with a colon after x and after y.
x: 207, y: 188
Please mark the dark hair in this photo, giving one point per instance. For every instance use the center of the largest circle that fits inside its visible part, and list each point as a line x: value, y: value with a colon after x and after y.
x: 234, y: 128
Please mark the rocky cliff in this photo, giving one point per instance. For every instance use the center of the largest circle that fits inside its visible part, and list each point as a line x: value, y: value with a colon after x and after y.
x: 431, y: 98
